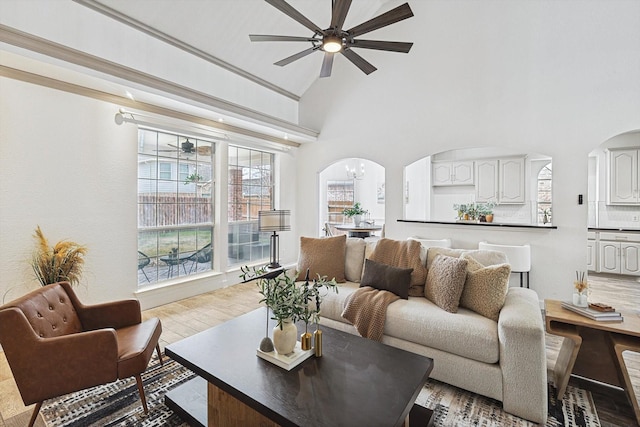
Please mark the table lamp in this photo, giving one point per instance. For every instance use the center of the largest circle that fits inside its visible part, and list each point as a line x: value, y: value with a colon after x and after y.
x: 274, y: 220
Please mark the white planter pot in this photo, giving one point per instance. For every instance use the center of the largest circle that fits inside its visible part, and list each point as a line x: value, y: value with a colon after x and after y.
x: 284, y: 340
x: 357, y: 219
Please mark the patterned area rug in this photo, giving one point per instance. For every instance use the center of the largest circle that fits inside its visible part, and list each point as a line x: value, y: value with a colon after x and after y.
x: 118, y: 404
x: 456, y: 407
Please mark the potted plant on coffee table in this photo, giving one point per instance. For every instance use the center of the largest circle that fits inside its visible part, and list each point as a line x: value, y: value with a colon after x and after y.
x: 288, y: 302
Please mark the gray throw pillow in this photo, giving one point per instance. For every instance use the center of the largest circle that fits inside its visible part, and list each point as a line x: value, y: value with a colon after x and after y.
x: 387, y: 278
x: 445, y: 282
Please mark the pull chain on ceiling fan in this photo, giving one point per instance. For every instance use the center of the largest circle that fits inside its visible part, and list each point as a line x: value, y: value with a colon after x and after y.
x: 334, y: 39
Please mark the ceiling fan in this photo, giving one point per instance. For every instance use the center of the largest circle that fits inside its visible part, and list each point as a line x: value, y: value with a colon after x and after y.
x: 187, y: 147
x: 335, y: 39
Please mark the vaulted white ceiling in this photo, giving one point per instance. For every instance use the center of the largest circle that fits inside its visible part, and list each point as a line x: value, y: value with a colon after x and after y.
x: 221, y: 28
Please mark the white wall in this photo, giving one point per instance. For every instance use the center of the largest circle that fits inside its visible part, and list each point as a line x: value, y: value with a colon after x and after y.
x: 552, y: 77
x: 67, y: 167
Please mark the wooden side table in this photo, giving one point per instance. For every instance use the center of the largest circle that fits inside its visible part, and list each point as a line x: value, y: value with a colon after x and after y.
x: 593, y: 349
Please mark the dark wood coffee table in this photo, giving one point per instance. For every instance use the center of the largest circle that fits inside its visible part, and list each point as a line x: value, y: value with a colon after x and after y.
x: 357, y: 382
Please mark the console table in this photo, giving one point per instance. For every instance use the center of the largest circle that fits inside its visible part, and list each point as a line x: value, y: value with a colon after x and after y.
x: 593, y: 349
x: 357, y: 382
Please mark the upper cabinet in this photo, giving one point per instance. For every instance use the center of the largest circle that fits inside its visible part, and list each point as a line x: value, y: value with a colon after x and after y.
x: 623, y: 177
x: 452, y: 173
x: 500, y: 180
x: 512, y: 180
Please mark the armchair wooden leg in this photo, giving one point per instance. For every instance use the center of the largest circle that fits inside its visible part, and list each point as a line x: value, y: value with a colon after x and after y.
x: 34, y: 415
x: 141, y: 391
x: 159, y: 354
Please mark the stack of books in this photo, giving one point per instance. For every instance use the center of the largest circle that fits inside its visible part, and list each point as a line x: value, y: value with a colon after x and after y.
x: 596, y: 311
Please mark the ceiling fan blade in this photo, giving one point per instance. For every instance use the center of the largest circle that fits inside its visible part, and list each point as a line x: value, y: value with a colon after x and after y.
x: 381, y: 45
x: 359, y: 61
x: 295, y: 57
x: 289, y: 10
x: 394, y: 15
x: 269, y: 38
x: 339, y: 12
x: 327, y: 65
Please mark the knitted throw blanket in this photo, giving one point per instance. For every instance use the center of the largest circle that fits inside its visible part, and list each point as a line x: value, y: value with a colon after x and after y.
x: 366, y: 309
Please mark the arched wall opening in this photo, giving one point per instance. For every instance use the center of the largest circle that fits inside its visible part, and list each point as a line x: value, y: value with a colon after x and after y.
x: 348, y: 181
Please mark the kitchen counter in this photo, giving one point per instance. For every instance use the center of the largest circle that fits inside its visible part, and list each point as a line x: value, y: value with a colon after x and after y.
x: 626, y: 230
x: 481, y: 224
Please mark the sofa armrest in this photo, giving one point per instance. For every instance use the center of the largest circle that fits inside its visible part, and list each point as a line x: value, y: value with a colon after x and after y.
x: 114, y: 314
x: 48, y: 367
x: 523, y: 356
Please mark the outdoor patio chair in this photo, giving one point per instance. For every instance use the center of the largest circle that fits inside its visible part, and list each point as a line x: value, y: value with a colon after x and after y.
x: 202, y: 256
x: 143, y: 261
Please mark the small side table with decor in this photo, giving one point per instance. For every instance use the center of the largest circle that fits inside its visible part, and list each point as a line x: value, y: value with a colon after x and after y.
x: 593, y: 349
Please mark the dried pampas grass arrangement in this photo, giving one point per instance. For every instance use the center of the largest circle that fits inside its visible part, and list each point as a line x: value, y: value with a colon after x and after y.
x: 62, y: 262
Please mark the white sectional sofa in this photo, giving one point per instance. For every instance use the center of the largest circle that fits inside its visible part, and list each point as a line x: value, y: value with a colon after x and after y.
x: 504, y: 359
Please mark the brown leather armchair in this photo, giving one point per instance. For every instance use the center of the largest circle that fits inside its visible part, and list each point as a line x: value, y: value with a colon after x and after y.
x: 56, y: 345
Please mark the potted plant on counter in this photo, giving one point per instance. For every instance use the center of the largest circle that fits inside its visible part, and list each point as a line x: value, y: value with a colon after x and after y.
x: 485, y: 211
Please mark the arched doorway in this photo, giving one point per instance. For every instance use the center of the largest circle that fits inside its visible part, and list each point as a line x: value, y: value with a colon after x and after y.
x: 346, y: 182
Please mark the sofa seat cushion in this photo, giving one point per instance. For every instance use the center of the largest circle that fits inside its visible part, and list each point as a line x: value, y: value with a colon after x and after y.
x: 465, y: 333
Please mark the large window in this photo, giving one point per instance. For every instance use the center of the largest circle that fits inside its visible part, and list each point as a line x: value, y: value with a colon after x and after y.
x: 175, y: 206
x: 250, y: 191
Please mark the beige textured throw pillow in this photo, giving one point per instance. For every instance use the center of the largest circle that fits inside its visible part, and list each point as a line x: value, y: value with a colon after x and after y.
x: 354, y: 259
x: 485, y: 289
x: 324, y: 256
x: 445, y: 281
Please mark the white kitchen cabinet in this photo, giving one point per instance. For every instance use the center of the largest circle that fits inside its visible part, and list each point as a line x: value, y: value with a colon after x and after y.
x: 512, y: 179
x: 452, y: 173
x: 500, y: 180
x: 623, y: 177
x: 619, y: 257
x: 609, y: 255
x: 592, y: 256
x: 630, y: 262
x: 487, y: 181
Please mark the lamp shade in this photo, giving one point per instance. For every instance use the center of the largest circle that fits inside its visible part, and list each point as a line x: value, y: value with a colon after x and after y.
x: 274, y: 220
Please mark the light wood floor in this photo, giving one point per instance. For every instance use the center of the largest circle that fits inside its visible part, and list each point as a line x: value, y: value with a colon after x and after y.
x: 187, y: 317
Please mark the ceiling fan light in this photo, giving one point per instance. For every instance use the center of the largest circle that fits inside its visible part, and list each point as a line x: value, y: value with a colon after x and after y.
x: 332, y: 44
